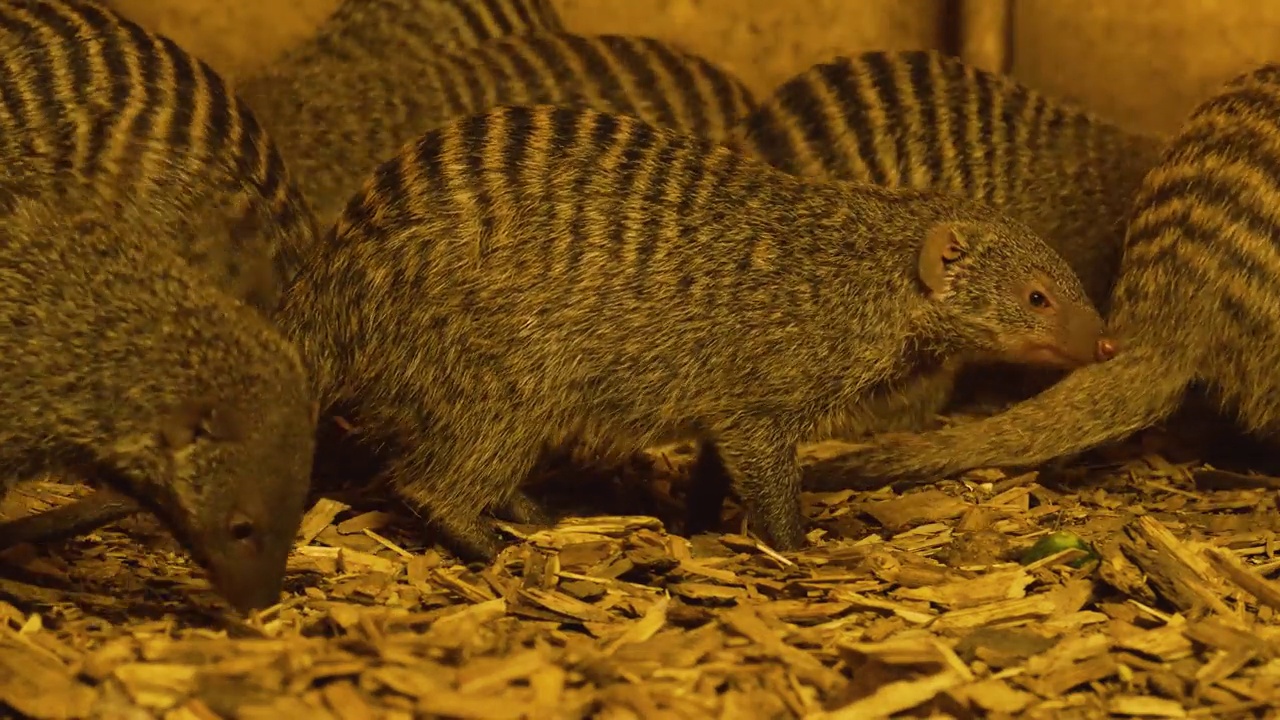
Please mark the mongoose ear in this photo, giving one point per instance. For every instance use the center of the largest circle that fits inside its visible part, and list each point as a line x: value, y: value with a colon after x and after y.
x: 195, y: 419
x: 943, y: 246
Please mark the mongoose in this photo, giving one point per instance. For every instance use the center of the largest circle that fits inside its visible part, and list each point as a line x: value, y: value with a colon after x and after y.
x: 1192, y: 308
x: 926, y: 120
x: 539, y: 275
x: 336, y: 121
x: 120, y: 361
x: 85, y: 93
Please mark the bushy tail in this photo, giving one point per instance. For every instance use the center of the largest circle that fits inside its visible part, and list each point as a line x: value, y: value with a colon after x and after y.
x: 1094, y: 405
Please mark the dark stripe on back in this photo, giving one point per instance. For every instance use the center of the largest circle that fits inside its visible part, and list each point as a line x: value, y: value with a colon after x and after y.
x: 115, y: 59
x: 600, y: 73
x: 220, y: 121
x: 471, y: 19
x: 539, y: 84
x: 474, y: 134
x: 1013, y: 109
x: 764, y: 137
x: 957, y: 107
x: 651, y: 230
x: 1206, y: 192
x: 14, y: 104
x: 731, y: 97
x: 604, y: 133
x: 524, y: 14
x: 921, y: 73
x: 520, y: 129
x: 886, y: 87
x: 843, y: 79
x: 984, y: 97
x: 686, y: 84
x: 36, y: 64
x: 448, y: 71
x: 183, y: 89
x: 636, y: 65
x: 143, y: 124
x: 501, y: 20
x: 799, y: 104
x: 1247, y: 101
x: 637, y: 144
x: 70, y: 48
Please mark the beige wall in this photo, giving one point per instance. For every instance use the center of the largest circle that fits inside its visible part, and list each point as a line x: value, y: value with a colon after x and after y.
x: 1140, y: 62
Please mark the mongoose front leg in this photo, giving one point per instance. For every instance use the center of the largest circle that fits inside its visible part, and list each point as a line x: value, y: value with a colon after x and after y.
x: 766, y: 474
x: 520, y: 508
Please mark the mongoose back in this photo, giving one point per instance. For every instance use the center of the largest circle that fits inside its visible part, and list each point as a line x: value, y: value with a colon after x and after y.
x: 85, y: 93
x: 926, y: 120
x: 538, y: 275
x: 337, y: 121
x: 120, y: 361
x: 360, y: 31
x: 1194, y: 305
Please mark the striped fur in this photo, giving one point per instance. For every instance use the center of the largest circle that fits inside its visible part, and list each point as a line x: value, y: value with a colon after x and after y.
x: 536, y: 276
x: 85, y: 92
x: 1195, y: 303
x: 923, y: 119
x: 120, y: 359
x: 360, y: 31
x: 336, y: 122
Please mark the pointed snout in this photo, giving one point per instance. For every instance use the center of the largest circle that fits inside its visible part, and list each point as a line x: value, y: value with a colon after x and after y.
x: 249, y: 585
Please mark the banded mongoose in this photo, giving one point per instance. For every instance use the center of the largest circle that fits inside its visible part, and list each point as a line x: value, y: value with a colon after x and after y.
x: 85, y: 93
x: 539, y: 275
x: 121, y: 362
x: 1194, y: 305
x: 926, y: 120
x: 337, y: 121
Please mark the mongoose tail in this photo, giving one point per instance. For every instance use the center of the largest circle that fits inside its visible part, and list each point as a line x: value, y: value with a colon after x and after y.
x: 1107, y: 401
x: 105, y: 506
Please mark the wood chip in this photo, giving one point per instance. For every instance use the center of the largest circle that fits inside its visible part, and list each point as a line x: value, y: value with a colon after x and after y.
x: 906, y: 603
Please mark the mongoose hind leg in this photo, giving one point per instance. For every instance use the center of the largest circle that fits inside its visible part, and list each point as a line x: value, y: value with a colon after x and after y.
x: 761, y: 461
x: 456, y: 481
x: 522, y: 509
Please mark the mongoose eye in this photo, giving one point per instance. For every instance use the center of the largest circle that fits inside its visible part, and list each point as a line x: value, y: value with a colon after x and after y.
x: 202, y: 430
x: 1038, y: 299
x: 241, y: 528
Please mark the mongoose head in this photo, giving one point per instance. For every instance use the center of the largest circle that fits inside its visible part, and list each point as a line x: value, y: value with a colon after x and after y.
x: 226, y: 463
x: 1015, y: 298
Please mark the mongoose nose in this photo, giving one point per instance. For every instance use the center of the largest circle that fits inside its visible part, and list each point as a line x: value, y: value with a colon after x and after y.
x: 1107, y: 349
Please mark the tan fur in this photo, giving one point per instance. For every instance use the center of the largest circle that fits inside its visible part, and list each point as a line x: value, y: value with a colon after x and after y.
x: 1194, y: 305
x: 121, y: 361
x: 538, y: 276
x: 89, y: 94
x: 337, y: 120
x: 926, y: 120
